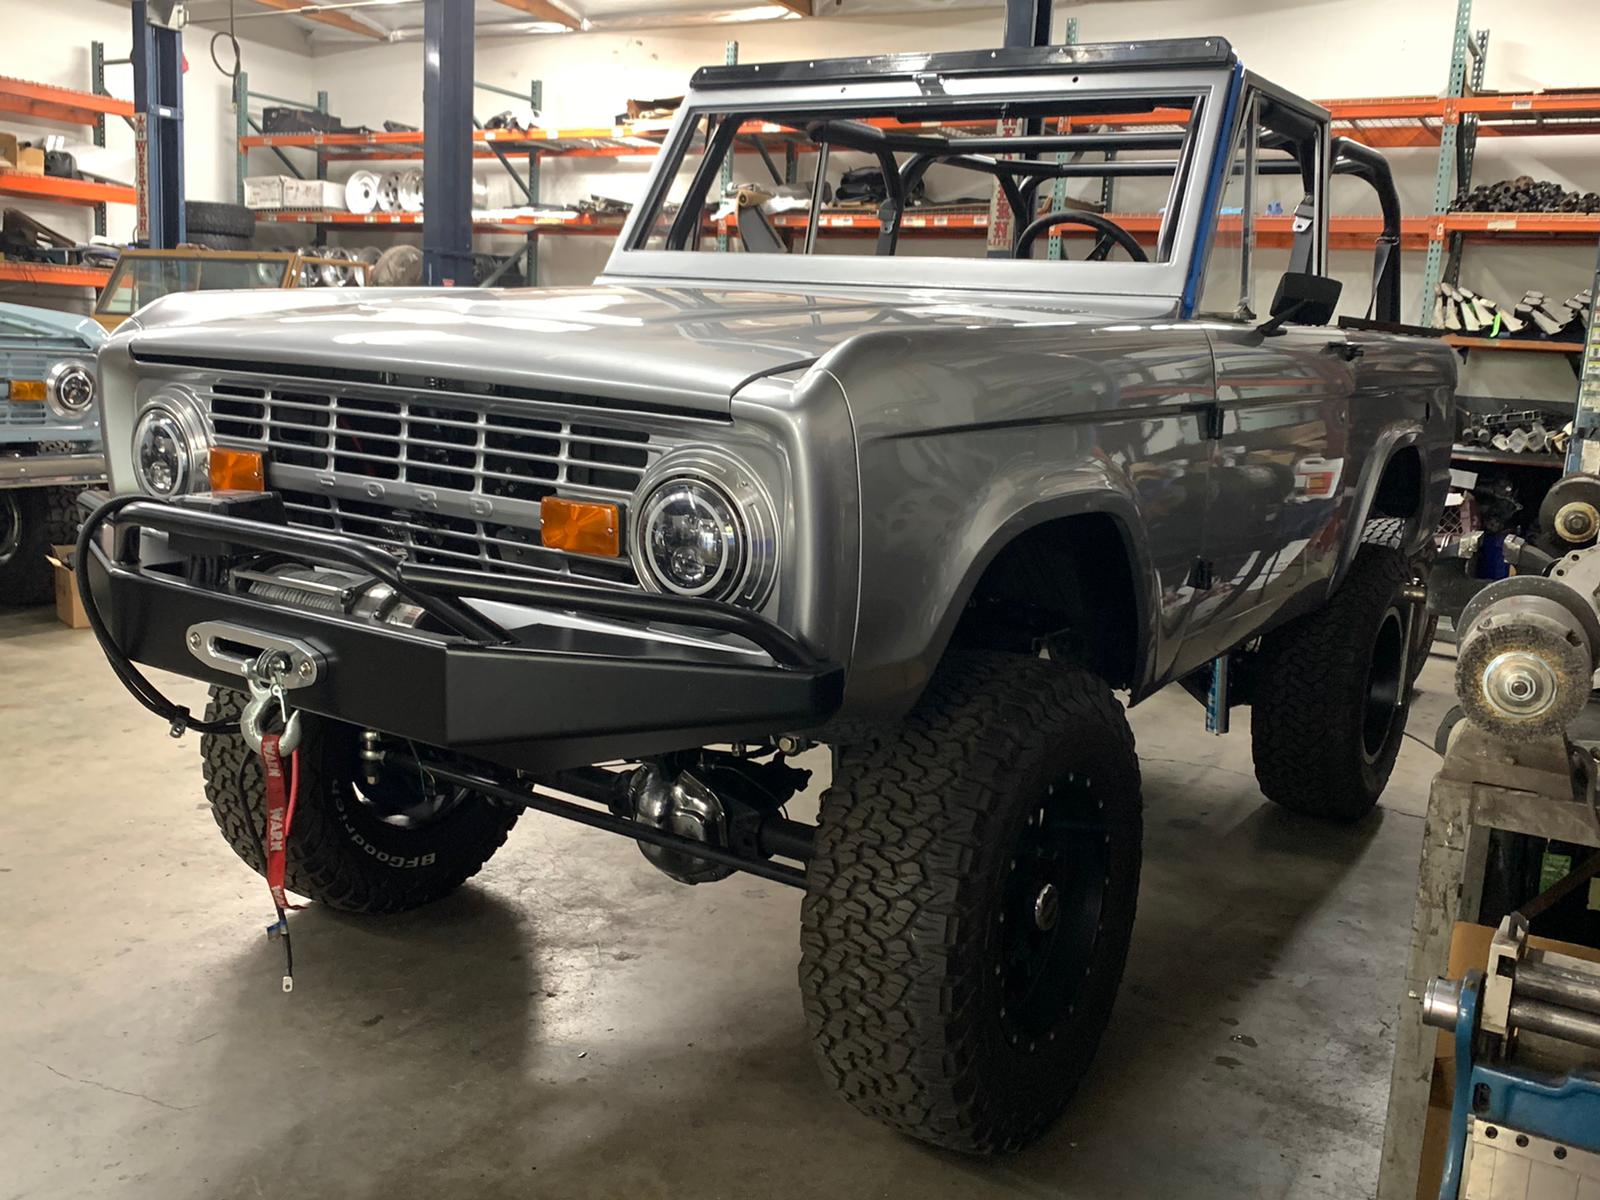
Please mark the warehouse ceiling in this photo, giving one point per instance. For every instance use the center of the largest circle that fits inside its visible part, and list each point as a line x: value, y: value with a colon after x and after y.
x: 342, y: 23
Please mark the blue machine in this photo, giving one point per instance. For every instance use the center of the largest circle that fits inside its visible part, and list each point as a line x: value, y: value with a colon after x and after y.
x: 1545, y: 1123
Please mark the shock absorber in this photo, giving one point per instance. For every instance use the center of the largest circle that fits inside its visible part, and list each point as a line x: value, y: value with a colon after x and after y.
x: 371, y: 757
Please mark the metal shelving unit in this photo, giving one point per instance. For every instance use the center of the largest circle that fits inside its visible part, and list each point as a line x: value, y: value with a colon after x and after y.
x: 1451, y: 123
x: 66, y: 106
x: 49, y: 274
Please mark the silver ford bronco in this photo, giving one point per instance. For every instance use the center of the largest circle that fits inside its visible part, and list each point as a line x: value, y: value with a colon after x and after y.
x: 794, y: 475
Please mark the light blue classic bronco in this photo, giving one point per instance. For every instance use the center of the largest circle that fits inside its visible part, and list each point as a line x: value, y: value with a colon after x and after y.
x: 49, y: 439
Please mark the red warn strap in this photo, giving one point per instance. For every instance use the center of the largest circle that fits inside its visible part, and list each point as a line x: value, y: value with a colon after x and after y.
x: 277, y: 818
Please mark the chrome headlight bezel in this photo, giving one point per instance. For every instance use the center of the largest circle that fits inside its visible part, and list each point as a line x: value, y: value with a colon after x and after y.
x: 68, y: 378
x: 752, y: 546
x: 187, y: 426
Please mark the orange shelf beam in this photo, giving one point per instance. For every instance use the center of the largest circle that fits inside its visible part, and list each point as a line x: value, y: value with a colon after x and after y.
x: 67, y: 191
x: 408, y: 220
x: 1478, y: 343
x: 54, y: 276
x: 1519, y: 225
x: 1386, y: 121
x: 44, y: 102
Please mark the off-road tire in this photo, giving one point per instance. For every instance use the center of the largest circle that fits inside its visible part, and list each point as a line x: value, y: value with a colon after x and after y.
x: 902, y: 969
x: 341, y: 853
x: 227, y: 220
x: 1391, y: 532
x: 46, y: 517
x: 1315, y: 751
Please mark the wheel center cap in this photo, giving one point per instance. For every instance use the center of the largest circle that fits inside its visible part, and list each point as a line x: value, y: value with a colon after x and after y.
x: 1047, y: 907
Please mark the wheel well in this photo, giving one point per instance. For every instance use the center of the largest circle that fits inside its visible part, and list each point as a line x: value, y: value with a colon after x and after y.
x: 1067, y: 584
x: 1399, y: 491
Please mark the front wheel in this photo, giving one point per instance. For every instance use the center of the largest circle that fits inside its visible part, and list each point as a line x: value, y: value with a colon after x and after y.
x: 32, y: 521
x: 357, y: 846
x: 970, y: 902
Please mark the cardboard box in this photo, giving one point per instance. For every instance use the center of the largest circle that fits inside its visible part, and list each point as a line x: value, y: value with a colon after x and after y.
x: 313, y: 193
x: 13, y: 157
x: 264, y: 191
x: 69, y: 605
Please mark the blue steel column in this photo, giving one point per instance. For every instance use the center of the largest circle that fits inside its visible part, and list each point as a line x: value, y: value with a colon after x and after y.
x: 447, y: 143
x: 158, y: 126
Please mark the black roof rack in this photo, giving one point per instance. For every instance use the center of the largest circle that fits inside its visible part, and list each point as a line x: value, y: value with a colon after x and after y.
x: 1087, y: 56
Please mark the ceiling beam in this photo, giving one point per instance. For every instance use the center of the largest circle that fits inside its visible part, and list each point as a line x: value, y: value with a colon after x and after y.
x: 544, y: 10
x: 803, y: 7
x: 335, y: 18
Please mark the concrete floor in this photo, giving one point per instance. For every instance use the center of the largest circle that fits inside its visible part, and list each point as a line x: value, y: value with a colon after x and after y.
x: 573, y: 1024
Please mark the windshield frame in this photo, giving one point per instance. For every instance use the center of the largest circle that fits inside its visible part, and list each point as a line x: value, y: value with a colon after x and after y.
x: 129, y: 262
x: 1209, y: 85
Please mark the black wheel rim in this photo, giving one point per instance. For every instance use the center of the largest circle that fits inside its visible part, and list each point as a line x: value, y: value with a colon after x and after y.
x: 1385, y: 685
x: 404, y: 797
x: 1051, y: 910
x: 10, y: 526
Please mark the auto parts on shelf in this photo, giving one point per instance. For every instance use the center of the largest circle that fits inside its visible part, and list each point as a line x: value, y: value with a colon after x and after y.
x: 1525, y: 194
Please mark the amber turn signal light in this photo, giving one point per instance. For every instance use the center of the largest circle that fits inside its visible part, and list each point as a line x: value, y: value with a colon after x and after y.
x: 580, y: 528
x: 237, y: 471
x: 27, y: 389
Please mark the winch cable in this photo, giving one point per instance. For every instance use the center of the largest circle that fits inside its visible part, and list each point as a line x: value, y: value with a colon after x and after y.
x: 177, y: 716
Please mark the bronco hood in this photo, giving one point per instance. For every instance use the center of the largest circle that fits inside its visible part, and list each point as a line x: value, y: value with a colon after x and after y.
x: 687, y: 346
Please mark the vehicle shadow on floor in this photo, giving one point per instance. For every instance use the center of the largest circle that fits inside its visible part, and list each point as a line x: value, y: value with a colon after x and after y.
x: 384, y: 1048
x: 1241, y: 1057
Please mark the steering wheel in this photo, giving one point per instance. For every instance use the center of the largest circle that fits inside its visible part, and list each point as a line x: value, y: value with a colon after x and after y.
x: 1111, y: 234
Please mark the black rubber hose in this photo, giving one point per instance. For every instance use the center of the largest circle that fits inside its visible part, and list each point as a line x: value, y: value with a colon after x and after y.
x: 145, y: 692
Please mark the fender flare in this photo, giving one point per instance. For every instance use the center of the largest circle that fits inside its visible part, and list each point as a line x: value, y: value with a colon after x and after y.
x: 1390, y: 442
x: 1094, y: 502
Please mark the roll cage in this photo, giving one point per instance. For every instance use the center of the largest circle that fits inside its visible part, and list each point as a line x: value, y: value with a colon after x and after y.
x: 727, y: 101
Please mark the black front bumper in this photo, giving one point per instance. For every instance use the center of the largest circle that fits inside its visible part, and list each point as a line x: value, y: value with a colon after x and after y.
x: 541, y: 697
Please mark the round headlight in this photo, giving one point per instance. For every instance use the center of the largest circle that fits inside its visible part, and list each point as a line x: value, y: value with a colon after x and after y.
x: 704, y: 527
x: 69, y: 389
x: 163, y: 457
x: 692, y: 538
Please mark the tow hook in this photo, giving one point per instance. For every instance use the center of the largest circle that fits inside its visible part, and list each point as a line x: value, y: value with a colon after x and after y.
x: 265, y: 679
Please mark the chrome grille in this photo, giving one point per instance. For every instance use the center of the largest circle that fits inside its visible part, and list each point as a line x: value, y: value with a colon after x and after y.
x: 26, y: 364
x: 450, y: 479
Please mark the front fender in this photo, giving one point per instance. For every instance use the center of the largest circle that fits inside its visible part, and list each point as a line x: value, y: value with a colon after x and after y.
x: 915, y: 590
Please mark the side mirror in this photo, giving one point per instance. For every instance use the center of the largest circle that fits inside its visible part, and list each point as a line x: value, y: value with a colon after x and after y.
x: 1303, y: 299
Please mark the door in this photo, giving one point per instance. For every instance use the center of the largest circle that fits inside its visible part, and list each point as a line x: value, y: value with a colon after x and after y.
x: 1278, y: 474
x: 1278, y: 459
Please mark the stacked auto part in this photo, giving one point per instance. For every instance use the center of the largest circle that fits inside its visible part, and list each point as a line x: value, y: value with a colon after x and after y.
x: 1525, y: 194
x: 1459, y: 309
x: 332, y: 266
x: 1522, y: 431
x: 1563, y: 320
x: 391, y: 191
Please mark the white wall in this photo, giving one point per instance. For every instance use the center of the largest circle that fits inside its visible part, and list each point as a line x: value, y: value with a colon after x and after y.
x: 50, y: 44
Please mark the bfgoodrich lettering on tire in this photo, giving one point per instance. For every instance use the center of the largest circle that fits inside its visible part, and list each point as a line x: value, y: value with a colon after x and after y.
x: 970, y: 902
x: 372, y: 849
